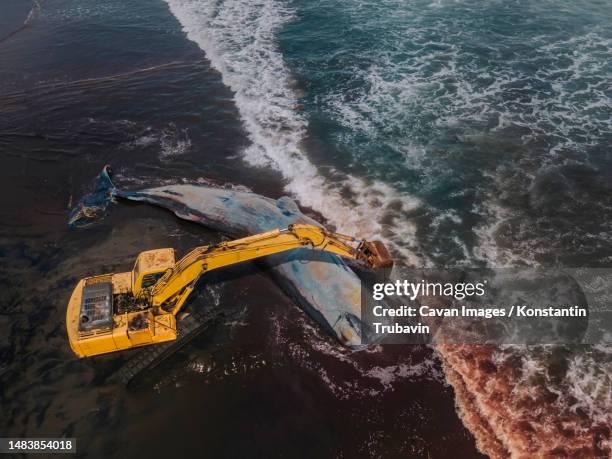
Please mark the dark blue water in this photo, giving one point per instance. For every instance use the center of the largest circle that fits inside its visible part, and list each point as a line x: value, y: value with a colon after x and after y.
x: 491, y: 113
x: 448, y: 127
x: 461, y: 132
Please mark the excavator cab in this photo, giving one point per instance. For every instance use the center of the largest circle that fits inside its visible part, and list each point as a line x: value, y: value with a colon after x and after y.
x: 149, y: 267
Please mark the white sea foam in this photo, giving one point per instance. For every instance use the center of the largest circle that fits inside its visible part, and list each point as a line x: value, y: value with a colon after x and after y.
x: 174, y: 141
x: 397, y: 88
x: 587, y: 384
x: 171, y: 140
x: 589, y: 381
x: 424, y: 83
x: 239, y: 38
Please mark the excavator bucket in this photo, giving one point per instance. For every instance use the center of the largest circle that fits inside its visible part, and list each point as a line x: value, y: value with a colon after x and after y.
x: 376, y: 255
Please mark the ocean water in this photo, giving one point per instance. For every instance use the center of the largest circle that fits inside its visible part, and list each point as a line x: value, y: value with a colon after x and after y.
x: 455, y: 128
x: 462, y: 132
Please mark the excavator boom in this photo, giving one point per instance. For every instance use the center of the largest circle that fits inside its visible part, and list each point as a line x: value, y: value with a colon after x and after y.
x: 207, y: 258
x: 119, y: 311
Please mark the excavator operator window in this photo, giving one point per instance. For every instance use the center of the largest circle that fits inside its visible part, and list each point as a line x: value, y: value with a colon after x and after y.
x: 151, y: 279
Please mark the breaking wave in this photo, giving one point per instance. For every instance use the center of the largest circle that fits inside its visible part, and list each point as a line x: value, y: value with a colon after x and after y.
x: 239, y: 38
x: 470, y: 114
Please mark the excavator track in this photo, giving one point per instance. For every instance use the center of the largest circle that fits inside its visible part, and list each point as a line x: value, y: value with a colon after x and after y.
x: 189, y: 326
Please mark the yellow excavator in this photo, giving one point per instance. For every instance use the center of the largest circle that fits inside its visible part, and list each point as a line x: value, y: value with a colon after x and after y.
x: 113, y: 312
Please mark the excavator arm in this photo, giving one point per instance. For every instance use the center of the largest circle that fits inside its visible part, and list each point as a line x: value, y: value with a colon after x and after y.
x: 173, y: 288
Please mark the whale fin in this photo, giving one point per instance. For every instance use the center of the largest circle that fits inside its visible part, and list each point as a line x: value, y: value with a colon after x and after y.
x: 94, y: 205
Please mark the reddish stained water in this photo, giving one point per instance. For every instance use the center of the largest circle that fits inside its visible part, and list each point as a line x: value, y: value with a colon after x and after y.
x: 516, y: 414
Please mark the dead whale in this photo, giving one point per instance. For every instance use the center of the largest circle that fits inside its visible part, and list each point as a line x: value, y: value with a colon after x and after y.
x: 321, y: 283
